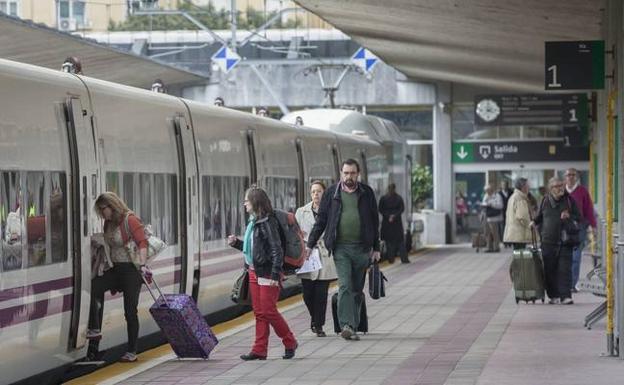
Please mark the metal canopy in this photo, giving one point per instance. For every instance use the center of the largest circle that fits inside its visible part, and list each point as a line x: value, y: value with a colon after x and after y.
x: 37, y: 44
x: 490, y: 43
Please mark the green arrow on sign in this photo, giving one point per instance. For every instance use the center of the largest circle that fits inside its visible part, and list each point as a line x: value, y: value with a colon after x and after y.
x: 462, y: 153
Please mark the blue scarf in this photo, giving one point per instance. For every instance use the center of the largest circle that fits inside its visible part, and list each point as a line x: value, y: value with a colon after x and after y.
x: 248, y: 240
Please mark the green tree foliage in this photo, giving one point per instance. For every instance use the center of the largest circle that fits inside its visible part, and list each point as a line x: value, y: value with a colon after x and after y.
x: 207, y: 15
x: 422, y: 185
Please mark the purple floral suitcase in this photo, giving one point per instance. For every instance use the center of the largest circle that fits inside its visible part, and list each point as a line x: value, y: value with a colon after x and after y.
x: 182, y: 324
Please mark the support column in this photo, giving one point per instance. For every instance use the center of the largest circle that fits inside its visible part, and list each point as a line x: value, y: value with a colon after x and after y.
x: 617, y: 39
x: 443, y: 194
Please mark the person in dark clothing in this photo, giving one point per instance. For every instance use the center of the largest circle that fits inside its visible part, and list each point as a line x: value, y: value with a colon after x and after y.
x: 349, y: 218
x: 391, y: 208
x: 505, y: 193
x: 263, y: 254
x: 557, y: 212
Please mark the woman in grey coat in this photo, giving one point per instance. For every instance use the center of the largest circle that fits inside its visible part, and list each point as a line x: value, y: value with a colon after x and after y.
x: 316, y: 283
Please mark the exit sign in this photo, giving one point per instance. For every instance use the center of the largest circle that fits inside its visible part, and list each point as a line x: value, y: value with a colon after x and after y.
x: 574, y: 65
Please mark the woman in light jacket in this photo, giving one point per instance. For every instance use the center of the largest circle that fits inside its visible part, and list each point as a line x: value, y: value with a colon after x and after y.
x: 518, y: 216
x: 316, y: 283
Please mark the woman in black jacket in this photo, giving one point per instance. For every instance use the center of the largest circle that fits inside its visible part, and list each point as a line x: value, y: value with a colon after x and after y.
x: 262, y: 249
x: 557, y: 213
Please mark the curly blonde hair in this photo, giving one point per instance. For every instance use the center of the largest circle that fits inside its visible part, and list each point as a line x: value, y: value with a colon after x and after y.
x: 117, y: 205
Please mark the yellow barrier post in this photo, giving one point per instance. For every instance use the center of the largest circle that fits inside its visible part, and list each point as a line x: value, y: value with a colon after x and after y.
x: 609, y: 205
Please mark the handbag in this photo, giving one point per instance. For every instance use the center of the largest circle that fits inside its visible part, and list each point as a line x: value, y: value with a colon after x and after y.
x: 570, y: 231
x: 155, y: 245
x: 240, y: 290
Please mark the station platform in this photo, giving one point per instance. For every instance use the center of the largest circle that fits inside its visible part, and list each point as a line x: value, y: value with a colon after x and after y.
x: 449, y: 317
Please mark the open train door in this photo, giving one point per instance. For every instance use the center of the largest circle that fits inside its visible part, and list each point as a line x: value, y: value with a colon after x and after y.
x: 189, y: 204
x: 83, y: 183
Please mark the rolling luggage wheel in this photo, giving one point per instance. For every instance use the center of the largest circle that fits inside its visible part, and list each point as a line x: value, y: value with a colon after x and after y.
x: 533, y: 302
x: 517, y: 300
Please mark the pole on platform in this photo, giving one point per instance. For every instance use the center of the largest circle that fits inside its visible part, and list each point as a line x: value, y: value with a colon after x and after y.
x: 609, y: 233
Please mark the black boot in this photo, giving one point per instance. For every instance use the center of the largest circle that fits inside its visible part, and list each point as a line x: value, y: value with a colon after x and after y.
x: 290, y: 353
x: 252, y: 356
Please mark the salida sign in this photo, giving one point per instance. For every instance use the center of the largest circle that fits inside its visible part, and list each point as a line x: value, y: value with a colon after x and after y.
x: 538, y: 151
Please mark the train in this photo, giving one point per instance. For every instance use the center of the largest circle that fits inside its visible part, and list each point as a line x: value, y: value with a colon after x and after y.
x: 182, y: 166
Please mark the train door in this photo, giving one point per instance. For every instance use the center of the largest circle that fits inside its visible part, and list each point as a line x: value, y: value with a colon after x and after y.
x: 301, y: 184
x: 364, y: 167
x: 83, y: 183
x: 334, y: 152
x: 189, y: 203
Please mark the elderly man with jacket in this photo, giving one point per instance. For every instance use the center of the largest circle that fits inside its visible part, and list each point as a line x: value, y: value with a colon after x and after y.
x: 558, y: 216
x: 518, y: 216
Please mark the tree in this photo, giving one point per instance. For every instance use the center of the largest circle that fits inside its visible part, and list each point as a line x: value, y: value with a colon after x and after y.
x: 207, y: 15
x: 422, y: 185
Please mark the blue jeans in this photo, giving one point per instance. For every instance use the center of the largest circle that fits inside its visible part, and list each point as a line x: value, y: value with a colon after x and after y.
x: 576, y: 256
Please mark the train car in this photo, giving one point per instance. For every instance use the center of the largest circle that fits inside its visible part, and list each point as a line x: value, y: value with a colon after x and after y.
x: 181, y: 166
x: 381, y: 165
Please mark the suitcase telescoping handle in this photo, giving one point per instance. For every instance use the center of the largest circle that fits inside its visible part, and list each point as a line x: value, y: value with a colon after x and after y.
x: 534, y: 237
x: 149, y: 288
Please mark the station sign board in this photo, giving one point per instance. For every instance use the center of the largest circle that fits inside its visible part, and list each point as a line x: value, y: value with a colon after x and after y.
x: 516, y: 151
x: 574, y: 65
x: 548, y: 109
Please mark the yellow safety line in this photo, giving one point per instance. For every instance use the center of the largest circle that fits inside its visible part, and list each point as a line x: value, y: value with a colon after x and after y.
x: 119, y: 368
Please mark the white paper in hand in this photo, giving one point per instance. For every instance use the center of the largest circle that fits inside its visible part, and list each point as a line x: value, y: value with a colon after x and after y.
x: 311, y: 264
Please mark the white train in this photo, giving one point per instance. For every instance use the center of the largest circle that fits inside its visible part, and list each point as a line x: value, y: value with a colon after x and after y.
x: 182, y: 166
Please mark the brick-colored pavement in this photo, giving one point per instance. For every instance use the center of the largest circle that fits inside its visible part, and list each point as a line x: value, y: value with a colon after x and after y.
x: 449, y: 318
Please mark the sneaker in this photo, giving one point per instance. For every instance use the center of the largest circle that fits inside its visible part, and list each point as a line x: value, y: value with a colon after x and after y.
x: 553, y: 301
x: 347, y: 332
x: 567, y: 301
x: 94, y: 334
x: 128, y: 357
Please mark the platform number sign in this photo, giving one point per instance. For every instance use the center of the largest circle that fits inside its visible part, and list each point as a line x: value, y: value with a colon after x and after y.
x: 574, y: 65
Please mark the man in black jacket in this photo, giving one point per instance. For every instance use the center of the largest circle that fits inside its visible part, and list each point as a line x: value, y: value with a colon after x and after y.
x: 349, y: 218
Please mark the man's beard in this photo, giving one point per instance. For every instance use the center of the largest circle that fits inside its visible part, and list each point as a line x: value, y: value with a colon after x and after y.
x: 349, y: 183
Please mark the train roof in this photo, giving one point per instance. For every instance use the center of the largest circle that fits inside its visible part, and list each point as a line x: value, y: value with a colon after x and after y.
x: 348, y: 122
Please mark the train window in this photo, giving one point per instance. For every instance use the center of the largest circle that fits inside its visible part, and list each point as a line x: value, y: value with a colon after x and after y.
x: 11, y: 220
x: 112, y: 182
x: 155, y: 201
x: 58, y: 217
x: 128, y: 189
x: 143, y: 206
x: 282, y: 192
x: 165, y: 215
x: 36, y: 218
x: 223, y: 212
x: 171, y: 196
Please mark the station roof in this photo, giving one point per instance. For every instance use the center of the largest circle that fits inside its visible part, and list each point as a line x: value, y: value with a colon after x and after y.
x: 490, y: 43
x: 37, y: 44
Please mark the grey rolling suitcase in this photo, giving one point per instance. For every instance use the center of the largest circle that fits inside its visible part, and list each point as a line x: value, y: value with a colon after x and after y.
x: 527, y: 274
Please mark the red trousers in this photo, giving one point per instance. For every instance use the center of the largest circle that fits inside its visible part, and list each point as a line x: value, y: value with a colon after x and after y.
x: 264, y: 303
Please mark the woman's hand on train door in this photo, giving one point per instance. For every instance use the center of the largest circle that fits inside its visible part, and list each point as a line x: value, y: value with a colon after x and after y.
x: 375, y: 256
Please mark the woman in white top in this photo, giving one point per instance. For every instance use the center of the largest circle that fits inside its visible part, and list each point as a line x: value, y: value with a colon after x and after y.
x: 316, y: 283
